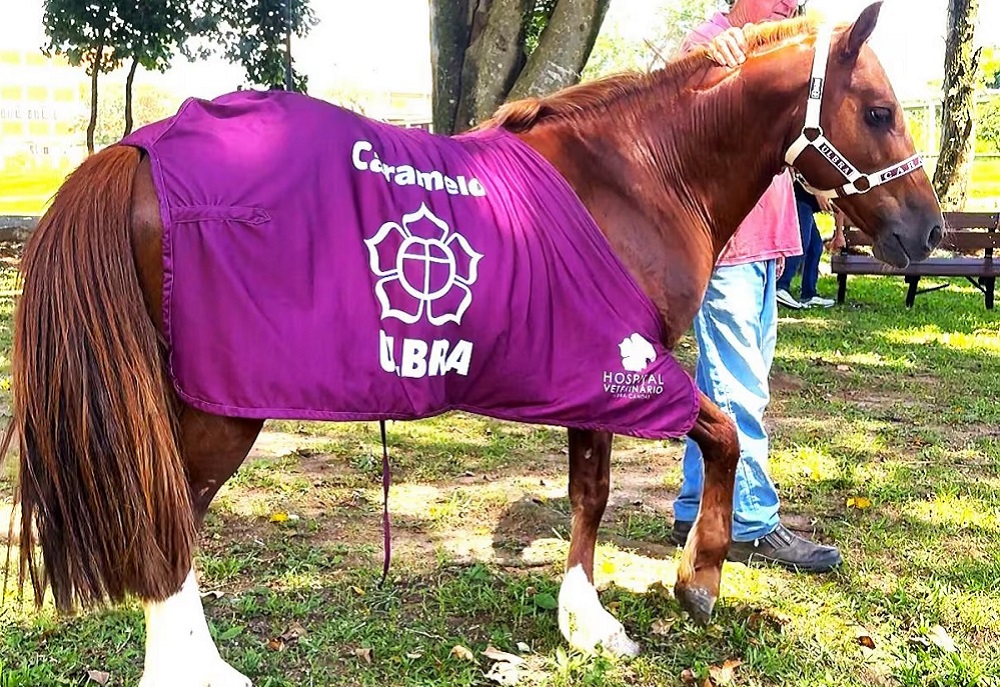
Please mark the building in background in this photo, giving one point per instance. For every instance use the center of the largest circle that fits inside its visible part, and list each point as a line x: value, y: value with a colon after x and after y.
x: 41, y: 101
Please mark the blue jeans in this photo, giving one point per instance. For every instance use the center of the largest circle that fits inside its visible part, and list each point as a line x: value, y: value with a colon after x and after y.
x: 736, y: 329
x: 812, y: 251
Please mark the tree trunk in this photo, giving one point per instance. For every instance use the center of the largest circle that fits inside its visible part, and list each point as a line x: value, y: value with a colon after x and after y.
x: 958, y: 111
x: 95, y: 70
x: 563, y: 48
x: 493, y: 60
x: 128, y: 96
x: 451, y: 29
x: 478, y: 54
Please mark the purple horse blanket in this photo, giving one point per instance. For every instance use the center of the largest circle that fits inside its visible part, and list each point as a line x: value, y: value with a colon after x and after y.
x: 320, y: 265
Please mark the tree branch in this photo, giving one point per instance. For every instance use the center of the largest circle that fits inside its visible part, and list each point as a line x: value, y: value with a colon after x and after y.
x: 563, y: 48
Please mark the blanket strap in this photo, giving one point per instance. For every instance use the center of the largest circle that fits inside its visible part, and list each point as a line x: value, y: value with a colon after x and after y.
x: 386, y: 543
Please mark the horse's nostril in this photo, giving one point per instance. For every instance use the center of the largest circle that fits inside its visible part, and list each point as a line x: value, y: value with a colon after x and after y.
x: 935, y: 236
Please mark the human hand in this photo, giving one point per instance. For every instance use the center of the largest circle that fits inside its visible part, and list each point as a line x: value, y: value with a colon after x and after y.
x: 824, y: 204
x: 729, y: 48
x: 838, y: 241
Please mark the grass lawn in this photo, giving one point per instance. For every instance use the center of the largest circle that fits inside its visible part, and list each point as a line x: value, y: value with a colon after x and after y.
x: 890, y: 410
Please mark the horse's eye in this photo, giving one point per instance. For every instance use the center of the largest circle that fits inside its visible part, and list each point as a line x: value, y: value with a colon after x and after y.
x: 878, y: 116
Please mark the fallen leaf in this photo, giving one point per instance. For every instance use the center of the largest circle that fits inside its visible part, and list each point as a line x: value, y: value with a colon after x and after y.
x: 414, y: 655
x: 293, y: 633
x: 939, y: 637
x: 688, y: 677
x: 462, y: 653
x: 662, y: 626
x: 859, y: 502
x: 358, y: 590
x: 364, y: 653
x: 723, y: 675
x: 495, y: 654
x: 213, y: 594
x: 865, y: 638
x: 275, y: 645
x: 99, y: 676
x: 523, y: 648
x: 504, y: 673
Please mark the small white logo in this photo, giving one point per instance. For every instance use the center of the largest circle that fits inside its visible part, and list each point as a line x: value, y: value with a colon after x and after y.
x: 637, y: 353
x: 425, y: 268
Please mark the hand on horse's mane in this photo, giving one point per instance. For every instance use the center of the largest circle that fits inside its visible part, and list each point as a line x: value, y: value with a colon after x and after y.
x: 729, y: 48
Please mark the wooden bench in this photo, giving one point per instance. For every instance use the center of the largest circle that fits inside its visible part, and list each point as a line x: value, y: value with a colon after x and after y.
x: 965, y: 251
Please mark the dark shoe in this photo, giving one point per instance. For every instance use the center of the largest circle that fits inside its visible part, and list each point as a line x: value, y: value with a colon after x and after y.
x: 780, y: 547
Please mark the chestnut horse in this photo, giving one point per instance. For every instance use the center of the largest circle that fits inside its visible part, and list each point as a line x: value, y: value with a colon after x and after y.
x: 116, y: 473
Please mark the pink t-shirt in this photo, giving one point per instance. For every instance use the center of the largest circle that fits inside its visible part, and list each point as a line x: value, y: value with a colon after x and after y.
x: 771, y: 230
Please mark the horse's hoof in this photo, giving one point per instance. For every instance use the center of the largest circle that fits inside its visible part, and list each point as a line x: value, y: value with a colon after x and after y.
x: 620, y: 644
x: 698, y: 602
x: 218, y: 674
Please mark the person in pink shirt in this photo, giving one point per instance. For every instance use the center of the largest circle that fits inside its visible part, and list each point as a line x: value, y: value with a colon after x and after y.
x: 736, y: 330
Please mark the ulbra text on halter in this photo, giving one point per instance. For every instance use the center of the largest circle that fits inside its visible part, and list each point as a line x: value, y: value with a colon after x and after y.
x: 366, y: 159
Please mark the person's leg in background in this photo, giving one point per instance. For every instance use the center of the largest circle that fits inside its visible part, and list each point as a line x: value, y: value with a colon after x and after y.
x: 812, y: 249
x: 793, y: 262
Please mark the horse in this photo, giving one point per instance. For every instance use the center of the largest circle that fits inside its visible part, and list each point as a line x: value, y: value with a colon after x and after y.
x: 117, y: 471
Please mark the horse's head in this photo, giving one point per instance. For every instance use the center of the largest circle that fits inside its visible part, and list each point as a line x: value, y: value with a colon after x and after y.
x: 854, y: 125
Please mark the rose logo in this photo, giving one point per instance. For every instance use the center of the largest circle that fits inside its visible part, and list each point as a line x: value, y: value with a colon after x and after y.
x: 424, y: 268
x: 637, y: 353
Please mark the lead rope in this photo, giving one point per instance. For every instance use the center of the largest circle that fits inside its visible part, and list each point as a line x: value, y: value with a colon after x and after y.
x: 386, y: 539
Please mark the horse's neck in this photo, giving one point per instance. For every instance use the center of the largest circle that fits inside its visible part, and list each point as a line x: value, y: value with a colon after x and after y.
x: 670, y: 191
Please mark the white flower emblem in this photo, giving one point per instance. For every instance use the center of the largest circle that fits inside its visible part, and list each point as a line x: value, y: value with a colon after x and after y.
x: 425, y: 267
x: 637, y: 353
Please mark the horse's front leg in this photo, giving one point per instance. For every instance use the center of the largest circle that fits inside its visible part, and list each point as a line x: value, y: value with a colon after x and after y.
x: 583, y: 621
x: 700, y: 571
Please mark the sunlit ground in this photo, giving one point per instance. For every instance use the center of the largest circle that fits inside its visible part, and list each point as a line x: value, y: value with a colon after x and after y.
x: 884, y: 425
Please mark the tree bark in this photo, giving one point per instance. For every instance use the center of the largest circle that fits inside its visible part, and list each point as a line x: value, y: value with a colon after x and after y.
x: 493, y: 59
x: 563, y: 48
x: 451, y: 28
x: 128, y: 96
x: 958, y: 111
x: 95, y: 71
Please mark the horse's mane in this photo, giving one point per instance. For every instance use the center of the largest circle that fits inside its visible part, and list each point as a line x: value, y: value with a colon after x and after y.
x: 522, y: 115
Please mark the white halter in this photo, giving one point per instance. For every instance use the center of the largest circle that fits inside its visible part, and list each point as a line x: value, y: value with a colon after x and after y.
x: 812, y: 136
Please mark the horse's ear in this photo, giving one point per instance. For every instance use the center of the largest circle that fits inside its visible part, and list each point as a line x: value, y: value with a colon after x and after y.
x: 860, y: 31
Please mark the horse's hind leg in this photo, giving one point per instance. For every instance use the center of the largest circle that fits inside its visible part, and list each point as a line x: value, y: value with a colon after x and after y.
x: 582, y: 619
x: 700, y: 570
x: 179, y: 649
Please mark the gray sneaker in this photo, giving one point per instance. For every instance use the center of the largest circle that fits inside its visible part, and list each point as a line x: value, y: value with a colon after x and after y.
x: 780, y: 547
x: 788, y: 300
x: 818, y: 302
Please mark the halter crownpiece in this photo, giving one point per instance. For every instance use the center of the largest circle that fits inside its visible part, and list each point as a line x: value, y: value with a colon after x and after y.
x: 812, y: 137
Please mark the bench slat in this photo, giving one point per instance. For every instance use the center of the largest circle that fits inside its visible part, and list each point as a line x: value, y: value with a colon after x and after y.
x: 932, y: 267
x: 962, y: 240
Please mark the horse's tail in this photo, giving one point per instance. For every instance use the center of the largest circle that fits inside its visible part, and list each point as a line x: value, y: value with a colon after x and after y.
x: 102, y: 486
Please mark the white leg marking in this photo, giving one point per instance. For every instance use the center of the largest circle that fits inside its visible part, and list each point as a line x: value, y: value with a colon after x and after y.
x: 584, y: 622
x: 179, y: 649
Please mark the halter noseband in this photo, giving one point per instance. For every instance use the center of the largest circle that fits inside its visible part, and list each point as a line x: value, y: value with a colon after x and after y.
x: 812, y: 137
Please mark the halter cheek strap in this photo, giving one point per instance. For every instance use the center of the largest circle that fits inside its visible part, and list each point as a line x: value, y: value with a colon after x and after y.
x: 812, y: 136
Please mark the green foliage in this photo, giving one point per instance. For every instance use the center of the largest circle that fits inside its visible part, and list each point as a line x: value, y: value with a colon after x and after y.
x: 989, y: 67
x: 153, y: 31
x: 989, y: 123
x: 535, y: 20
x: 150, y: 104
x: 81, y: 30
x: 618, y: 49
x: 252, y: 33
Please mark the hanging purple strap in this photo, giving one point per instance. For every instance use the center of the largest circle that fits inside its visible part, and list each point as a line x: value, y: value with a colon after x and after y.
x: 386, y: 543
